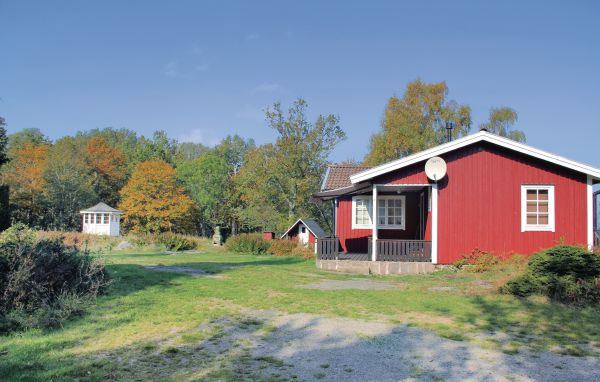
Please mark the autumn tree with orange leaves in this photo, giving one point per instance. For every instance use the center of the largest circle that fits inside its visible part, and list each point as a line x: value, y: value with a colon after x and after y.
x: 108, y: 169
x: 25, y: 176
x: 153, y: 202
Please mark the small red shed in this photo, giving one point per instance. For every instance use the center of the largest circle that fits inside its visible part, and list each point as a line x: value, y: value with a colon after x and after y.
x: 497, y: 195
x: 306, y: 231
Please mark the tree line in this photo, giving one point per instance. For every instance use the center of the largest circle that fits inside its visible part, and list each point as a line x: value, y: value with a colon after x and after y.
x: 164, y: 185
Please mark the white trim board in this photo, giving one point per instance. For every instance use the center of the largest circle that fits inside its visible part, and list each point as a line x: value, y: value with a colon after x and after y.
x: 482, y: 136
x: 590, y: 212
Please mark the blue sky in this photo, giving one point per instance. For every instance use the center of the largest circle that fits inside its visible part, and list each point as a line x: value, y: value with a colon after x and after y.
x: 203, y: 69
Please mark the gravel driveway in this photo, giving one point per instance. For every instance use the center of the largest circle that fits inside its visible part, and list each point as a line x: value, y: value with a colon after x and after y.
x: 313, y: 348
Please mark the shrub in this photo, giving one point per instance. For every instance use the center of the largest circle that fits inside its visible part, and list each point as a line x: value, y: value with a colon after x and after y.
x: 564, y: 273
x: 282, y: 247
x: 478, y: 261
x: 307, y: 253
x: 174, y: 242
x: 248, y: 243
x: 291, y: 248
x: 82, y: 241
x: 44, y: 281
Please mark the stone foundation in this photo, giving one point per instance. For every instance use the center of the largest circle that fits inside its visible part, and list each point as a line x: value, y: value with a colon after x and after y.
x: 375, y: 267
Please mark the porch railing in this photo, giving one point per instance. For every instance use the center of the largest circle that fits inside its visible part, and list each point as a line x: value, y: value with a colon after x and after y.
x: 328, y: 248
x: 402, y: 250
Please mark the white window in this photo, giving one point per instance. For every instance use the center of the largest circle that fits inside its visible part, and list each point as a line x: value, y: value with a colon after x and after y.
x: 537, y: 208
x: 391, y: 212
x: 105, y: 219
x: 86, y: 218
x: 361, y: 212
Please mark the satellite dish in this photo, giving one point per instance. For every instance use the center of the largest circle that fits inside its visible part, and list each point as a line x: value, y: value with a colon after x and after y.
x: 435, y: 168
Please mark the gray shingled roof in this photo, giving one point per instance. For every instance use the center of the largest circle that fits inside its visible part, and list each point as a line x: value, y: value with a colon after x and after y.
x: 338, y: 176
x: 100, y: 207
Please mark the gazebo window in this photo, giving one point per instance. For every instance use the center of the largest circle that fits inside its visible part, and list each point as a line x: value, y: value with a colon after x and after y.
x: 105, y: 220
x: 86, y: 218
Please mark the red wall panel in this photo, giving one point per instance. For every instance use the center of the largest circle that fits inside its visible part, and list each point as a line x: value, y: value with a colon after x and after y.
x: 479, y: 204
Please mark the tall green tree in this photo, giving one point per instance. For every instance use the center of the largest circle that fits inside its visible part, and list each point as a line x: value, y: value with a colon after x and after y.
x: 206, y: 180
x: 502, y: 121
x: 186, y: 151
x: 280, y: 178
x: 31, y: 136
x: 417, y: 121
x: 3, y: 142
x: 233, y: 149
x: 69, y: 186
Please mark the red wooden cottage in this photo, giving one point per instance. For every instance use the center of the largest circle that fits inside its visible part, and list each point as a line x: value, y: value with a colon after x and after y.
x: 497, y: 195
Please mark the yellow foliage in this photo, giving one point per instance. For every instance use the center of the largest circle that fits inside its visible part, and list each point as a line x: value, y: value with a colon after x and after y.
x: 153, y: 201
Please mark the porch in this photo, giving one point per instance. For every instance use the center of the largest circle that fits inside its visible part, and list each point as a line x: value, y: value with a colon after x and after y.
x: 386, y: 250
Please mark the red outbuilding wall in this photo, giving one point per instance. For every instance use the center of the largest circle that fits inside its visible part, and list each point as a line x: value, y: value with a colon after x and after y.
x: 479, y: 203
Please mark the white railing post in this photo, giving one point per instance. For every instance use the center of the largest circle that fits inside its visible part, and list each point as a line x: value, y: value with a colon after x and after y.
x: 374, y: 226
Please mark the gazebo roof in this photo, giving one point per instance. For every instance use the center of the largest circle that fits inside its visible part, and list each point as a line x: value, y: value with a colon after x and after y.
x: 101, y: 207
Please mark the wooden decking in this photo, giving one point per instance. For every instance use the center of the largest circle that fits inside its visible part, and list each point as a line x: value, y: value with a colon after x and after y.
x: 387, y: 250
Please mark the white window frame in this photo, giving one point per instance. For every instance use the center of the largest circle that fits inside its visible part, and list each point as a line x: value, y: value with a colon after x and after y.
x: 550, y: 227
x: 402, y: 199
x: 369, y: 200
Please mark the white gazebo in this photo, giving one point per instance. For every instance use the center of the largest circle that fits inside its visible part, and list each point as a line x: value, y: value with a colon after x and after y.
x: 101, y: 220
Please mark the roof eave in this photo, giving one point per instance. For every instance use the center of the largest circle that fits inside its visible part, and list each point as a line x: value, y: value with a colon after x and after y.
x: 468, y: 140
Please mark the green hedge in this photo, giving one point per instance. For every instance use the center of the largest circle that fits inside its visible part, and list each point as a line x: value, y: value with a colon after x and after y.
x: 252, y: 243
x: 564, y: 273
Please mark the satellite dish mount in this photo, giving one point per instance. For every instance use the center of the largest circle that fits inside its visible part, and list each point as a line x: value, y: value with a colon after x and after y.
x: 435, y: 168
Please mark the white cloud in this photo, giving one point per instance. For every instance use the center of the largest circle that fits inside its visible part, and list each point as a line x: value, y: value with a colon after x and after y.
x: 268, y: 87
x: 199, y: 136
x: 251, y: 36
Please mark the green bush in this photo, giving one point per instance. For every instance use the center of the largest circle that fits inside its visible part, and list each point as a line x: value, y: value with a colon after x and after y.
x: 564, y: 273
x: 282, y: 247
x: 252, y: 243
x: 174, y: 242
x: 43, y: 282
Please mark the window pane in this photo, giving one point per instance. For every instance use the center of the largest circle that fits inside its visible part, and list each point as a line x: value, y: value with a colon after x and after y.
x: 543, y: 207
x: 543, y: 219
x: 531, y: 207
x: 543, y: 194
x: 531, y: 219
x: 390, y: 220
x: 398, y: 220
x: 531, y: 194
x: 382, y: 220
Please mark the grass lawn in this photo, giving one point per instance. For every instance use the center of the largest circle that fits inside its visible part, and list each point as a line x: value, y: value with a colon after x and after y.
x: 148, y: 312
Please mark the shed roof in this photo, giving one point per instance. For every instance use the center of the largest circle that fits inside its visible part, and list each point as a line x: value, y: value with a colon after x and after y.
x: 100, y: 207
x: 312, y: 226
x: 482, y: 136
x: 338, y: 176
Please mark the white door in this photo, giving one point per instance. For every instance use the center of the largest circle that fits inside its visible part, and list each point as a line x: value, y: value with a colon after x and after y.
x: 303, y: 234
